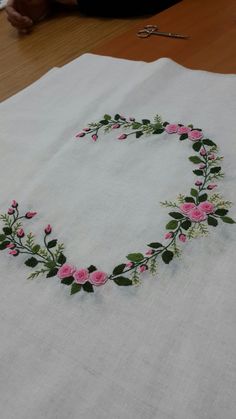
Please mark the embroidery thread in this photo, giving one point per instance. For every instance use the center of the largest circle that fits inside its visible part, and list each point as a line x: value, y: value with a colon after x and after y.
x: 190, y: 214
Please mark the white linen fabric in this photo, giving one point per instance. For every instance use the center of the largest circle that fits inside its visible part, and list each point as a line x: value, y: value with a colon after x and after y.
x: 165, y: 349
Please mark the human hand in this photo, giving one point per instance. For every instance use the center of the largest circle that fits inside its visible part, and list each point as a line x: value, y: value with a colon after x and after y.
x: 22, y: 14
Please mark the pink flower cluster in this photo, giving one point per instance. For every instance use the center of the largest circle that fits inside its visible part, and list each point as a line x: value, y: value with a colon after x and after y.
x: 82, y: 275
x: 193, y: 134
x: 197, y: 213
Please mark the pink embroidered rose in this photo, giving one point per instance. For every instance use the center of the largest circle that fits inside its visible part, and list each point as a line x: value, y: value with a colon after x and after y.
x: 183, y: 130
x: 80, y: 134
x: 198, y: 183
x: 20, y: 233
x: 132, y: 119
x: 143, y: 268
x: 48, y: 229
x: 65, y: 271
x: 187, y: 207
x: 98, y: 278
x: 171, y: 128
x: 212, y: 156
x: 197, y: 215
x: 11, y: 246
x: 203, y: 152
x: 202, y: 166
x: 94, y: 137
x: 30, y: 214
x: 122, y: 137
x: 195, y: 135
x: 115, y: 126
x: 123, y: 118
x: 212, y: 186
x: 207, y: 207
x: 86, y: 129
x: 10, y: 211
x: 168, y: 235
x: 129, y: 264
x: 81, y: 276
x: 14, y: 252
x: 149, y: 252
x: 182, y: 238
x: 14, y: 204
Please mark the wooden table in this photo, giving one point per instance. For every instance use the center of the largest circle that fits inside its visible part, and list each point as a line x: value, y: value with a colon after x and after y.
x: 210, y: 23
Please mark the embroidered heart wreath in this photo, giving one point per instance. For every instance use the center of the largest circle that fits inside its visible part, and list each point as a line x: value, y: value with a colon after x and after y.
x: 190, y: 215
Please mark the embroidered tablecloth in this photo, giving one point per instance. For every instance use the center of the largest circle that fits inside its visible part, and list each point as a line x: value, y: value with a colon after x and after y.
x: 135, y: 316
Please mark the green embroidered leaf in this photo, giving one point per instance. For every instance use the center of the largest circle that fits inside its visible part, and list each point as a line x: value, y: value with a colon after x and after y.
x: 68, y: 280
x: 189, y: 199
x: 4, y: 244
x: 186, y: 224
x: 165, y: 123
x: 107, y: 117
x: 32, y: 262
x: 52, y: 243
x: 92, y: 268
x: 52, y: 272
x: 117, y: 117
x: 183, y: 137
x: 195, y: 159
x: 61, y: 259
x: 119, y: 269
x: 7, y: 230
x: 198, y: 172
x: 208, y: 142
x: 145, y: 121
x: 176, y: 215
x: 228, y: 220
x: 36, y: 248
x: 212, y: 221
x: 167, y: 256
x: 196, y: 146
x: 158, y: 131
x: 190, y: 126
x: 136, y: 125
x: 194, y: 192
x: 155, y: 245
x: 203, y: 197
x: 2, y: 237
x: 215, y: 169
x: 172, y: 225
x: 138, y: 134
x: 75, y: 288
x: 221, y: 211
x: 123, y: 281
x: 50, y: 264
x: 88, y: 287
x: 135, y: 257
x: 104, y: 122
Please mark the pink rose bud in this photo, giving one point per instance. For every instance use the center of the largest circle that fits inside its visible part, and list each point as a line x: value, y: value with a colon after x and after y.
x: 14, y: 204
x: 198, y: 183
x: 80, y: 134
x: 183, y: 130
x: 122, y: 137
x: 11, y: 246
x: 30, y: 214
x: 129, y: 264
x: 86, y: 129
x: 115, y: 126
x: 132, y: 119
x: 203, y: 152
x: 143, y: 268
x: 10, y: 211
x: 98, y: 278
x: 149, y: 252
x: 171, y: 128
x: 182, y: 238
x: 48, y: 229
x: 197, y: 215
x: 212, y: 186
x: 14, y: 252
x: 187, y: 207
x: 94, y: 137
x: 195, y: 135
x: 81, y: 276
x: 122, y: 118
x: 20, y: 233
x: 207, y: 207
x: 211, y: 156
x: 168, y: 235
x: 202, y: 166
x: 66, y: 271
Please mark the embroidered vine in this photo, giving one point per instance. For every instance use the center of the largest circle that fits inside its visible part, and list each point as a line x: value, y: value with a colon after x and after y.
x: 190, y: 214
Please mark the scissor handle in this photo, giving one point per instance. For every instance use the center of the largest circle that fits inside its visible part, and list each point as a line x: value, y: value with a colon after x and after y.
x: 147, y: 31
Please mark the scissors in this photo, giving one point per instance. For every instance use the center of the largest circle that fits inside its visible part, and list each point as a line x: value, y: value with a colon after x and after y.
x: 149, y: 30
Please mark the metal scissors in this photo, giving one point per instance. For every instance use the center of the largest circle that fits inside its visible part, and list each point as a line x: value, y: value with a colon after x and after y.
x: 149, y: 30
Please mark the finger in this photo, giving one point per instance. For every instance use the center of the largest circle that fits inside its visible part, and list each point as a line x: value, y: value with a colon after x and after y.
x: 17, y: 24
x: 17, y: 17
